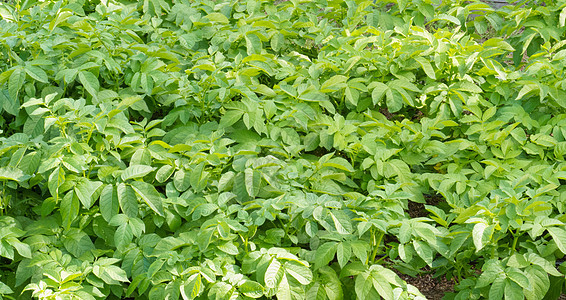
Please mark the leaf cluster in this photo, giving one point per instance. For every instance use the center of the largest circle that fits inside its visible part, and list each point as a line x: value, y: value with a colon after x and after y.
x: 281, y: 149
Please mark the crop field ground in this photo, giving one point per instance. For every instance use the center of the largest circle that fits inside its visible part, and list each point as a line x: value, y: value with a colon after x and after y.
x: 324, y: 149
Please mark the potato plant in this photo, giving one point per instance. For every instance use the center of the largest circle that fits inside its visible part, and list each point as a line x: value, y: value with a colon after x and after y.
x: 324, y: 149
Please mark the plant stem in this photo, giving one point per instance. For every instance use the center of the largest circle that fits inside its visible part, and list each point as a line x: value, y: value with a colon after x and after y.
x: 376, y: 246
x: 515, y: 239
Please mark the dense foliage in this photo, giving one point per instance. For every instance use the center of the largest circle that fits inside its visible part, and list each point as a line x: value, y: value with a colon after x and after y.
x: 291, y: 149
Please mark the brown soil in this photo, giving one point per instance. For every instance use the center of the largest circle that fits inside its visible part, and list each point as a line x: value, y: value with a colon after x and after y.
x: 431, y: 288
x: 384, y: 111
x: 417, y: 210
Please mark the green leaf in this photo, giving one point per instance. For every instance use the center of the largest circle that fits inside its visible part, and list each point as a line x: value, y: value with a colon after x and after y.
x: 119, y: 220
x: 149, y: 195
x: 137, y: 226
x: 448, y: 18
x: 22, y: 248
x: 146, y: 82
x: 270, y: 276
x: 90, y: 82
x: 4, y: 289
x: 341, y: 222
x: 9, y: 104
x: 61, y: 17
x: 68, y: 75
x: 363, y: 286
x: 360, y: 250
x: 182, y: 180
x: 228, y: 248
x: 334, y: 83
x: 284, y: 289
x: 164, y: 173
x: 543, y: 140
x: 127, y: 200
x: 546, y: 265
x: 251, y: 289
x: 382, y: 286
x: 217, y: 17
x: 253, y: 44
x: 109, y: 204
x: 527, y: 88
x: 225, y: 181
x: 405, y: 232
x: 6, y: 250
x: 192, y: 287
x: 378, y: 92
x: 466, y: 86
x: 343, y: 253
x: 325, y: 253
x: 230, y: 117
x: 69, y: 209
x: 288, y: 89
x: 114, y: 274
x: 86, y: 191
x: 513, y: 291
x: 199, y: 177
x: 313, y: 97
x: 77, y: 242
x: 253, y: 181
x: 300, y: 272
x: 11, y: 173
x: 518, y: 277
x: 136, y: 171
x: 25, y: 271
x: 393, y: 100
x: 137, y: 281
x: 123, y: 236
x: 16, y: 82
x: 427, y: 67
x: 559, y: 237
x: 424, y: 251
x: 277, y: 41
x: 339, y: 163
x: 477, y: 235
x: 36, y: 73
x: 497, y: 289
x: 489, y: 275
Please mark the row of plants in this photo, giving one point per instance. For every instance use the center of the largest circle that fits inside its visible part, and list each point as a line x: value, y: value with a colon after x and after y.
x: 290, y: 149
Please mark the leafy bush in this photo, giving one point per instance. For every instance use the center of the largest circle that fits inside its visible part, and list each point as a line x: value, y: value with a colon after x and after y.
x: 291, y: 149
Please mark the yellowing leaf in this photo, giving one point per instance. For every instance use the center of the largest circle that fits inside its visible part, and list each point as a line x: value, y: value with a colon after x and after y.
x: 218, y: 17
